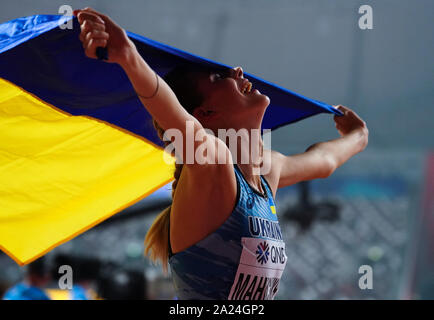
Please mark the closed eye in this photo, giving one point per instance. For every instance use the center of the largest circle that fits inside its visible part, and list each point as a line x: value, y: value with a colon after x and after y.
x: 220, y: 75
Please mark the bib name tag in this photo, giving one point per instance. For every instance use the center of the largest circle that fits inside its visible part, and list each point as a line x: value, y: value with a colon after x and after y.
x: 261, y: 265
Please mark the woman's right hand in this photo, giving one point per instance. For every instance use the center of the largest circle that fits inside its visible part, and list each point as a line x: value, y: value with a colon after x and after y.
x: 98, y: 30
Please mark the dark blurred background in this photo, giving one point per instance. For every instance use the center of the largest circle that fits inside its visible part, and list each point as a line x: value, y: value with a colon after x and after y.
x: 377, y: 209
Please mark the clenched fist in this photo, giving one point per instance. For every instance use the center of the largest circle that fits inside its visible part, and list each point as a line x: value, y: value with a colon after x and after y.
x: 98, y: 30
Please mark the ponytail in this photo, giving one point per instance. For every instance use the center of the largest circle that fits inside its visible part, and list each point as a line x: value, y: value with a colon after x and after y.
x: 157, y: 239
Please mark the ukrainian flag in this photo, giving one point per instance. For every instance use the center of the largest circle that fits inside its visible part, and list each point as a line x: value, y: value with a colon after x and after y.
x: 76, y: 144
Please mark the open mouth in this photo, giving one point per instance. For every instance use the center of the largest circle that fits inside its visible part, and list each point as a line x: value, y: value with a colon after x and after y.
x: 246, y: 87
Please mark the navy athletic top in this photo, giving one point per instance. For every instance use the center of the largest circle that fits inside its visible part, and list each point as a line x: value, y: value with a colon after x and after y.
x: 242, y: 260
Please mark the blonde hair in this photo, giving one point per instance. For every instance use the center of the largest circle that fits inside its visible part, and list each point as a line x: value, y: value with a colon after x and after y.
x: 157, y: 237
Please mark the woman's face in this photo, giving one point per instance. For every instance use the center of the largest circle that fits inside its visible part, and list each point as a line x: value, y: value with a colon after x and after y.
x: 227, y: 103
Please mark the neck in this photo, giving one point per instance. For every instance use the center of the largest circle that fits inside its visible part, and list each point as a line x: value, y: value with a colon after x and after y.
x: 246, y: 146
x: 249, y: 156
x: 252, y: 179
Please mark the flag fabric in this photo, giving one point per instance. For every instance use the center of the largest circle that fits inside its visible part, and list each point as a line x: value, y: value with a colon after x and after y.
x: 76, y: 144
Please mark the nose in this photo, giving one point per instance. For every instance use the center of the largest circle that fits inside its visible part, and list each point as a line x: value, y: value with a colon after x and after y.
x: 238, y: 72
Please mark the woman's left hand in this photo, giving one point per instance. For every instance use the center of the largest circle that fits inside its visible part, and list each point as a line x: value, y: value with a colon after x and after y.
x: 349, y: 122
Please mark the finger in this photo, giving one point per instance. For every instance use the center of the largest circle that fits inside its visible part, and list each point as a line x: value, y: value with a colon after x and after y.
x: 96, y: 34
x: 90, y: 41
x: 340, y: 120
x: 89, y: 26
x: 339, y: 117
x: 340, y: 108
x: 85, y: 15
x: 92, y: 45
x: 346, y: 110
x: 342, y: 114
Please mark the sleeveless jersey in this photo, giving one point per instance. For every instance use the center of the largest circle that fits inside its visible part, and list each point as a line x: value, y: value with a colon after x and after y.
x: 242, y: 260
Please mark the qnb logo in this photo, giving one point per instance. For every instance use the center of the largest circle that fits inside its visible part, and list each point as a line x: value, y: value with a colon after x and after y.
x: 262, y: 252
x: 277, y: 255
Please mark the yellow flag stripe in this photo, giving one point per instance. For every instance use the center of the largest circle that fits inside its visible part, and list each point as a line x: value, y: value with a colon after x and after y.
x: 61, y: 174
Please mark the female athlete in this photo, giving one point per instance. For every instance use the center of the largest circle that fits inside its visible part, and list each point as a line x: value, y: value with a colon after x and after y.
x: 221, y: 235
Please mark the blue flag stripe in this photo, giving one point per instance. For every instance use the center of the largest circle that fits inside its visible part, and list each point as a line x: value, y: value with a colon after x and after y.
x: 49, y: 62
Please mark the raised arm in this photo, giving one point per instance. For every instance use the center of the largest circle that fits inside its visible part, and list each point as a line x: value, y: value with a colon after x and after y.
x: 98, y: 30
x: 321, y: 159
